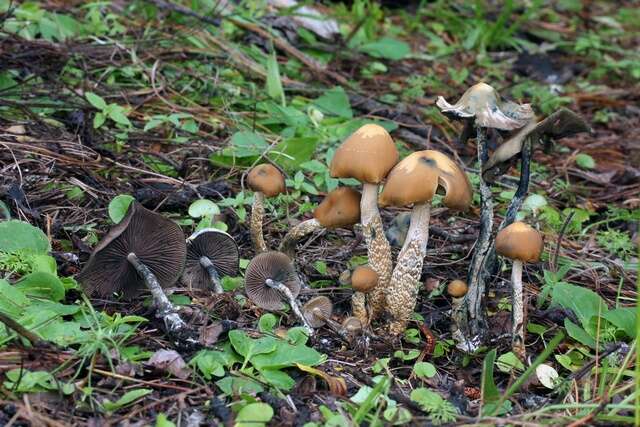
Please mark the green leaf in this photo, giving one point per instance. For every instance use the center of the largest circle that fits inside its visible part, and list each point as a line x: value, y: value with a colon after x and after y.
x: 424, y: 370
x: 119, y: 206
x: 508, y: 362
x: 99, y: 120
x: 490, y: 390
x: 583, y: 302
x: 286, y: 355
x: 254, y: 415
x: 19, y: 235
x: 163, y: 421
x: 248, y: 347
x: 336, y: 102
x: 203, y: 208
x: 267, y: 322
x: 292, y: 152
x: 277, y: 379
x: 274, y: 82
x: 127, y: 399
x: 387, y: 48
x: 623, y: 318
x: 585, y: 161
x: 118, y: 115
x: 12, y: 300
x: 24, y: 381
x: 42, y: 285
x: 579, y: 334
x: 95, y: 100
x: 246, y: 144
x: 232, y: 386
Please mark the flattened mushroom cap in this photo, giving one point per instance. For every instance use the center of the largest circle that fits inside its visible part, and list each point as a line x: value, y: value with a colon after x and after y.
x: 340, y: 208
x: 364, y: 279
x: 352, y: 325
x: 216, y: 245
x: 519, y: 241
x: 482, y: 102
x: 157, y: 241
x: 457, y: 288
x: 272, y: 265
x: 318, y: 305
x: 367, y: 155
x: 266, y: 179
x: 417, y: 178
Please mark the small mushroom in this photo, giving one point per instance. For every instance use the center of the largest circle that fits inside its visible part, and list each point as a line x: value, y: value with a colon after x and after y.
x: 318, y: 311
x: 368, y: 155
x: 211, y: 254
x: 363, y: 280
x: 457, y: 289
x: 266, y: 181
x: 521, y: 243
x: 340, y: 208
x: 269, y: 278
x: 415, y: 180
x: 351, y: 326
x: 144, y: 250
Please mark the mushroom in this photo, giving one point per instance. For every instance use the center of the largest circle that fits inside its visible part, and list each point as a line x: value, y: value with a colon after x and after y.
x: 457, y: 289
x: 270, y: 276
x: 340, y: 208
x: 521, y: 243
x: 318, y: 311
x: 415, y: 180
x: 266, y: 181
x: 363, y: 280
x: 368, y: 155
x: 144, y: 250
x: 211, y: 254
x: 351, y: 326
x: 481, y: 107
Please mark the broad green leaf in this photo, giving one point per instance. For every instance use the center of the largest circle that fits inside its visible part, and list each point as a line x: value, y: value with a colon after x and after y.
x: 98, y: 120
x: 623, y: 318
x: 246, y: 144
x: 336, y: 102
x: 585, y: 161
x: 286, y: 355
x: 424, y: 370
x: 582, y: 301
x: 292, y: 152
x: 254, y: 415
x: 278, y: 379
x: 19, y: 235
x: 508, y: 362
x: 12, y: 300
x: 579, y: 334
x: 118, y: 115
x: 95, y: 100
x: 232, y: 386
x: 267, y: 322
x: 163, y: 421
x: 274, y: 82
x: 387, y: 48
x: 490, y: 391
x: 127, y: 399
x: 42, y: 285
x: 119, y: 206
x: 203, y: 207
x: 248, y: 347
x: 25, y: 381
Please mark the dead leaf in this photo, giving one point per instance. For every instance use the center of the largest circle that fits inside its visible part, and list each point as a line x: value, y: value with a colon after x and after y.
x: 170, y: 361
x: 211, y: 333
x: 337, y: 385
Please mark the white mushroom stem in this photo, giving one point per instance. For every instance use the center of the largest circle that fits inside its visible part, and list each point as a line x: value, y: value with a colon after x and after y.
x: 402, y: 293
x: 378, y: 249
x: 292, y: 302
x: 288, y: 244
x: 206, y: 263
x: 257, y: 213
x: 517, y: 311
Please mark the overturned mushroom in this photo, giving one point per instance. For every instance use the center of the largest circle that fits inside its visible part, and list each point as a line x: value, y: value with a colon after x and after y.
x: 340, y: 208
x: 351, y: 326
x: 266, y: 181
x: 211, y: 254
x: 368, y: 155
x: 414, y: 181
x: 521, y: 243
x: 363, y: 280
x: 269, y: 278
x: 318, y: 311
x: 143, y: 251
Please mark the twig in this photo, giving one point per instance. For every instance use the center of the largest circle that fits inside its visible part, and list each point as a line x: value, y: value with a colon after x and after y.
x: 34, y: 339
x: 553, y: 266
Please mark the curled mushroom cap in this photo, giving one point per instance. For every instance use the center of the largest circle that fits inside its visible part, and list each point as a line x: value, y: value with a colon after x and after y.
x: 367, y: 155
x: 340, y: 208
x: 221, y: 250
x: 519, y: 241
x: 352, y: 325
x: 157, y: 242
x: 364, y: 279
x: 277, y: 267
x: 317, y: 310
x: 457, y: 288
x: 483, y: 102
x: 417, y: 178
x: 266, y: 179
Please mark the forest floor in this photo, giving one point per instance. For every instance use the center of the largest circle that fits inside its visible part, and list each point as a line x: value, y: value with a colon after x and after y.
x: 171, y: 104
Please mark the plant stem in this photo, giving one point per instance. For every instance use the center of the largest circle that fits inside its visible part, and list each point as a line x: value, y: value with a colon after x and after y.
x: 257, y: 213
x: 517, y: 311
x: 292, y: 302
x: 206, y: 263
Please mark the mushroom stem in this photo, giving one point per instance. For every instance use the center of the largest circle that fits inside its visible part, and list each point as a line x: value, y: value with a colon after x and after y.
x: 292, y: 302
x: 288, y: 244
x: 359, y: 307
x: 206, y: 263
x: 402, y: 293
x: 164, y: 309
x: 517, y: 303
x: 257, y: 213
x: 378, y: 249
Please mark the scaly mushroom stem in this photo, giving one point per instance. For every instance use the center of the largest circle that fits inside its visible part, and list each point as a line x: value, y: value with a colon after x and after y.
x: 359, y: 307
x: 164, y: 309
x: 206, y: 263
x: 517, y: 311
x: 288, y: 244
x: 402, y: 293
x: 257, y: 213
x: 378, y: 249
x: 292, y: 302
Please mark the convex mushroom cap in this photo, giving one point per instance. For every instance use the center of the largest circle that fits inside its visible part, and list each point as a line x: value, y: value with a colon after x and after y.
x: 418, y: 176
x: 352, y: 325
x: 317, y: 310
x: 266, y: 179
x: 457, y: 288
x: 277, y: 267
x: 519, y: 241
x: 340, y: 208
x: 157, y: 242
x: 367, y: 155
x: 364, y: 279
x: 219, y: 247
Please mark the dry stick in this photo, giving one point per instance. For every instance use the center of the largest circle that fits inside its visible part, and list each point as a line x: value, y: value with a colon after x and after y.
x: 554, y: 261
x: 206, y: 263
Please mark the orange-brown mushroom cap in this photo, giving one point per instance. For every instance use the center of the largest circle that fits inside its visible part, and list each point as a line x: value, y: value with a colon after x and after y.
x: 266, y: 179
x: 367, y: 155
x: 417, y: 178
x: 519, y: 241
x: 364, y: 279
x: 340, y: 208
x: 457, y: 288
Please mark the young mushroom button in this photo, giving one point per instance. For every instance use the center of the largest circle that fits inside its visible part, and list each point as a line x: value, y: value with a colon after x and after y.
x: 414, y: 181
x: 211, y: 254
x: 266, y: 181
x: 520, y: 243
x: 363, y: 280
x: 368, y: 155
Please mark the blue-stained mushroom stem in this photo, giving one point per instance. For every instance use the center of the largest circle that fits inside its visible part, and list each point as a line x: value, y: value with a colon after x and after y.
x: 206, y: 263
